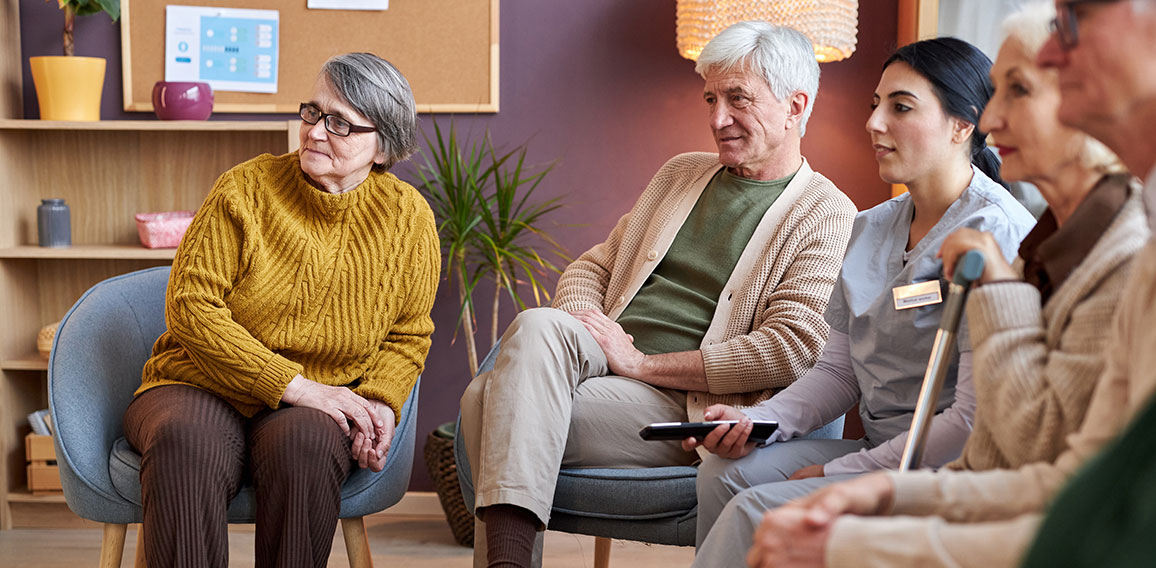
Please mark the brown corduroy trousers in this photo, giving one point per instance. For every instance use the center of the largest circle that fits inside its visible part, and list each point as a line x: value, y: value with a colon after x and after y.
x: 197, y: 451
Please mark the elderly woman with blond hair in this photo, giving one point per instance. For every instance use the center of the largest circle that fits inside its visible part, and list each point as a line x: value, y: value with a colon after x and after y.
x: 1039, y: 329
x: 298, y: 314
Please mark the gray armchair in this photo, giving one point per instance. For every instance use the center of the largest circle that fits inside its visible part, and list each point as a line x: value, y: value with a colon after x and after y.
x: 97, y: 357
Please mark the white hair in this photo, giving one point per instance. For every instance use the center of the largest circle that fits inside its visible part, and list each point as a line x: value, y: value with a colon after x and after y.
x: 783, y: 56
x: 1030, y: 26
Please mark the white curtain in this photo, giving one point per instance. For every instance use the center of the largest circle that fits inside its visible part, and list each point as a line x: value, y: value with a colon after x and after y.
x: 976, y: 21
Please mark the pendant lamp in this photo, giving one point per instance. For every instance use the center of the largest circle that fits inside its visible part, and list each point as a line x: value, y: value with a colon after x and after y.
x: 831, y: 25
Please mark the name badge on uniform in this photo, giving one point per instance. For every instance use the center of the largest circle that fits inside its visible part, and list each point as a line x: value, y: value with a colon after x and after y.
x: 918, y: 294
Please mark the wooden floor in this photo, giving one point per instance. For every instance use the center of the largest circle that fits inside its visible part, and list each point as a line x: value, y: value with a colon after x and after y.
x: 396, y: 541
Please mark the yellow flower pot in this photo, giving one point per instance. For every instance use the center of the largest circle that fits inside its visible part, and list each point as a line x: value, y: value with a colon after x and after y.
x: 68, y: 88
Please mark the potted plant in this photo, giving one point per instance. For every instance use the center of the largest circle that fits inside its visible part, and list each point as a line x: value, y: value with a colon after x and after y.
x: 69, y: 87
x: 482, y: 199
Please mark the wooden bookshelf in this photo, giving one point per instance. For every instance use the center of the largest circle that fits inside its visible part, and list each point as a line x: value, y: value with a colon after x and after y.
x: 107, y: 172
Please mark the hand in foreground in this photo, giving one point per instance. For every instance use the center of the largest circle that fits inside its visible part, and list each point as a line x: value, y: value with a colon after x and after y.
x: 865, y: 495
x: 367, y: 452
x: 807, y: 472
x: 618, y: 346
x: 725, y: 441
x: 785, y: 540
x: 963, y: 240
x: 339, y: 403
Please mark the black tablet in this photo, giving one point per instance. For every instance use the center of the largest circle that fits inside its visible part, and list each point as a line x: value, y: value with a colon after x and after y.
x: 681, y: 430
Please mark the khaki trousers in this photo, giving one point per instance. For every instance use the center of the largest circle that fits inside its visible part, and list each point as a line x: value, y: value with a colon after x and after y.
x: 550, y: 402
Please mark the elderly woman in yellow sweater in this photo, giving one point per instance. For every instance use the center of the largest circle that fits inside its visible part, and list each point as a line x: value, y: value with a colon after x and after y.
x: 298, y: 315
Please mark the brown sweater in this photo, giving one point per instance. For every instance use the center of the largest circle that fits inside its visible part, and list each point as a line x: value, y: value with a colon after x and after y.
x: 276, y: 278
x: 768, y: 328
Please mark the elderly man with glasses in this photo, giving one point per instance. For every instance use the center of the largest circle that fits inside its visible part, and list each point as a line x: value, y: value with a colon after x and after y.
x: 1105, y: 54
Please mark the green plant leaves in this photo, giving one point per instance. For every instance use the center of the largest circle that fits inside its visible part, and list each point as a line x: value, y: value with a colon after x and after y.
x: 89, y: 7
x: 489, y: 224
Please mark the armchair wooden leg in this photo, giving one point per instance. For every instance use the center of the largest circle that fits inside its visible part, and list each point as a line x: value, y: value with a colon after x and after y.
x: 601, y: 552
x: 112, y: 545
x: 356, y: 543
x: 140, y: 551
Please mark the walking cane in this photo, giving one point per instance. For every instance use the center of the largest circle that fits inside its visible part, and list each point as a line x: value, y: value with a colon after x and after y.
x: 967, y: 270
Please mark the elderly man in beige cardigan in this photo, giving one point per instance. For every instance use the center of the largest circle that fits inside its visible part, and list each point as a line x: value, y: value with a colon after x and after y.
x: 711, y: 289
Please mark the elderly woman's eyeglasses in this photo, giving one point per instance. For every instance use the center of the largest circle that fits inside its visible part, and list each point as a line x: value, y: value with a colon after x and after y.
x: 1064, y: 25
x: 333, y: 123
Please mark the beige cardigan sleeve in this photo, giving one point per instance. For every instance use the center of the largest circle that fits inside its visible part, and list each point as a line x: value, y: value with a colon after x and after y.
x: 583, y: 284
x: 1029, y: 395
x: 976, y: 496
x: 1035, y: 368
x: 927, y: 542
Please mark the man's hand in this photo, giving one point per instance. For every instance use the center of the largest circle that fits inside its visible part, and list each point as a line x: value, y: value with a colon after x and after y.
x: 366, y: 451
x: 994, y: 266
x: 785, y: 540
x: 866, y: 495
x: 807, y: 472
x: 725, y: 441
x: 618, y: 346
x: 340, y: 403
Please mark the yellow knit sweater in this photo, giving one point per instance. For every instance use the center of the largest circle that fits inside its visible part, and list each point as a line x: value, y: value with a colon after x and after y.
x: 277, y: 278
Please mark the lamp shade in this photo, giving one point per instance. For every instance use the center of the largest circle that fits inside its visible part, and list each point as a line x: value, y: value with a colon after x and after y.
x: 831, y: 25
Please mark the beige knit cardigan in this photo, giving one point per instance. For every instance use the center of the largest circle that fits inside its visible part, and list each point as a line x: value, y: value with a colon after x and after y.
x: 1035, y: 368
x: 1050, y: 393
x: 768, y: 327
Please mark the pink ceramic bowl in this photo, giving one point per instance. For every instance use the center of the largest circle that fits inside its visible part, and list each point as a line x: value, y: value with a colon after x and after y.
x: 182, y: 100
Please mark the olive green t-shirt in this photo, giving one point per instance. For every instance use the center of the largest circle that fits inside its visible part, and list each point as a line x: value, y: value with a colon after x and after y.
x: 674, y: 307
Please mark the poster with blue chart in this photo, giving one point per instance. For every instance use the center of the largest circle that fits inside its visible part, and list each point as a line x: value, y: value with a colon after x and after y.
x: 230, y: 49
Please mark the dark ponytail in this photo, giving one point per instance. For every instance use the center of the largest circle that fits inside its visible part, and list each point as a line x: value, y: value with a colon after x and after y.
x: 958, y: 73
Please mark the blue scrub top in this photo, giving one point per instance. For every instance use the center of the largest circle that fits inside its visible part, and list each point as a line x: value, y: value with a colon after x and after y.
x: 890, y: 348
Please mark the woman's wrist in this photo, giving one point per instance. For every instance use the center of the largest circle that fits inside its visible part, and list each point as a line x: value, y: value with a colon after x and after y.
x: 293, y: 390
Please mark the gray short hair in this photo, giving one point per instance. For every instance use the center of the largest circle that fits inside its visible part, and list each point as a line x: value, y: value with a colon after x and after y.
x: 1030, y: 26
x: 377, y: 90
x: 783, y: 56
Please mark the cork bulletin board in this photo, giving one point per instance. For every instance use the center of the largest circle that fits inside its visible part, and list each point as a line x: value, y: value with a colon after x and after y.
x: 447, y: 49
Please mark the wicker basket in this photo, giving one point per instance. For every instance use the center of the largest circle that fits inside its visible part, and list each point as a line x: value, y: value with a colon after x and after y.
x: 44, y: 339
x: 439, y: 462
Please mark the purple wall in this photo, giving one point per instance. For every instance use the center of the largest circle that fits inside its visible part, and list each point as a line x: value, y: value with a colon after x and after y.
x: 597, y: 85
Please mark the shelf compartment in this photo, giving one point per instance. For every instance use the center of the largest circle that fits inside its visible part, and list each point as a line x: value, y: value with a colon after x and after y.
x: 27, y: 362
x: 88, y: 252
x: 159, y: 125
x: 26, y: 496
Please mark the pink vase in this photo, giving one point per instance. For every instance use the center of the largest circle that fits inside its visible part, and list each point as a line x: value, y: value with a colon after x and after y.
x: 177, y: 100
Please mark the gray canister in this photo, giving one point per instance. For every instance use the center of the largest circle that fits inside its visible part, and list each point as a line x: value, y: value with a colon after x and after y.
x: 54, y: 223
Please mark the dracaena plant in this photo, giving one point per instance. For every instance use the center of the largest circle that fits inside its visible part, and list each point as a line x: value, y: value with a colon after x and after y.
x: 489, y: 223
x: 74, y: 8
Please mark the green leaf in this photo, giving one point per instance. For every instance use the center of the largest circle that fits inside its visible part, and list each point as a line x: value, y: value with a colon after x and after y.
x: 488, y: 220
x: 89, y: 7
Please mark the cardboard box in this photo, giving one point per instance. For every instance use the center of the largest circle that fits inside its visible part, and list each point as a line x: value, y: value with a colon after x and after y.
x: 43, y: 479
x: 39, y: 448
x: 43, y: 474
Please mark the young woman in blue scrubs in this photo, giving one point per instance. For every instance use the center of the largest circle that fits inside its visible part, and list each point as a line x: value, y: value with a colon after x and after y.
x: 924, y: 135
